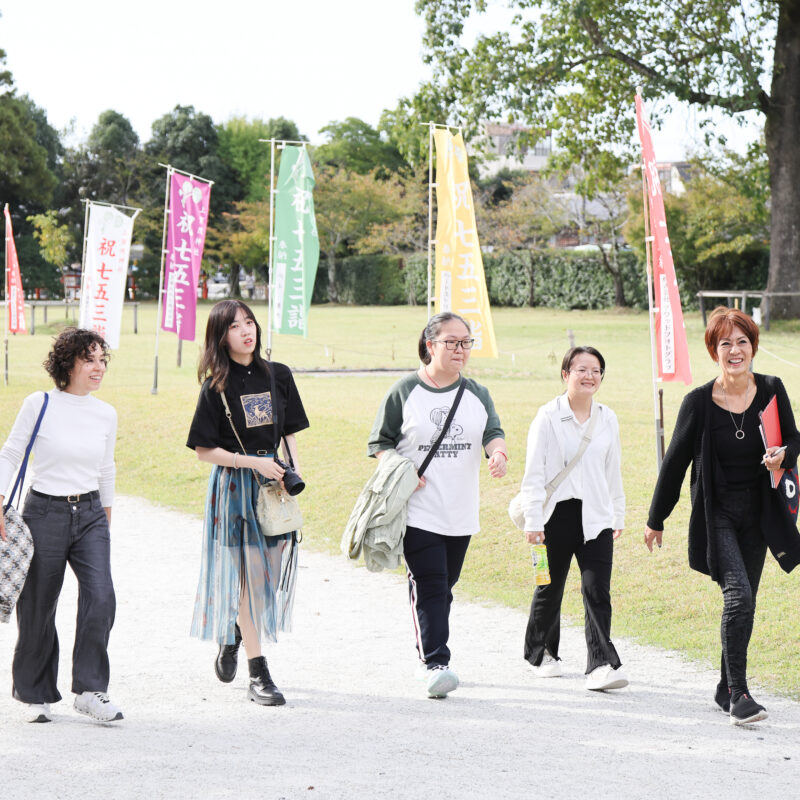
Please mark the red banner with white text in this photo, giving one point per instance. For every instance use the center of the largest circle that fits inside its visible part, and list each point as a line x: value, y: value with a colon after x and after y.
x: 15, y: 297
x: 673, y: 352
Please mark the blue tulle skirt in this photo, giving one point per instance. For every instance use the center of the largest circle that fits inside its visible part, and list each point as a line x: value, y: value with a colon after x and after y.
x: 237, y: 556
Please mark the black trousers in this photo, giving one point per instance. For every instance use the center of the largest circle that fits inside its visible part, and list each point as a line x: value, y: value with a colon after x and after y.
x: 564, y: 539
x: 741, y: 550
x: 64, y: 533
x: 434, y: 565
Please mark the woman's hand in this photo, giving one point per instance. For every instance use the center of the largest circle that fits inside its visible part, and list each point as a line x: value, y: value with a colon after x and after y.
x: 651, y: 536
x: 498, y: 462
x: 421, y: 484
x: 617, y: 533
x: 534, y: 537
x: 268, y: 468
x: 773, y: 458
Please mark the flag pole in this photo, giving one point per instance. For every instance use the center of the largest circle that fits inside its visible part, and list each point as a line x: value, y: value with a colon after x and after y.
x: 648, y: 241
x: 430, y: 212
x: 6, y: 309
x: 271, y: 244
x: 170, y: 170
x: 83, y: 297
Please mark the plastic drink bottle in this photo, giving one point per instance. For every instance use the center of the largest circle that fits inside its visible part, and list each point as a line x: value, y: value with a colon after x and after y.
x: 541, y: 568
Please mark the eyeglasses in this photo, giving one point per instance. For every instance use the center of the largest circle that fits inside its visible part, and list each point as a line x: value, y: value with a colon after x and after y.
x: 452, y: 344
x: 582, y: 372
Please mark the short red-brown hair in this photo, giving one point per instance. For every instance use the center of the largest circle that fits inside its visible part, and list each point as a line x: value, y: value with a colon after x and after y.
x: 720, y: 324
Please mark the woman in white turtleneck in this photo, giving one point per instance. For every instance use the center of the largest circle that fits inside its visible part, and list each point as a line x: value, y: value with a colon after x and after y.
x: 68, y: 510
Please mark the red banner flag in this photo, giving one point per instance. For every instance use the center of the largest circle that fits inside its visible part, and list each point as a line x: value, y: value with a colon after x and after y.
x: 673, y: 352
x: 15, y: 297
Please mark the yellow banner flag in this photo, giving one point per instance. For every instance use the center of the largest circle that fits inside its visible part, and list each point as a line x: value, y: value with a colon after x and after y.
x: 460, y: 280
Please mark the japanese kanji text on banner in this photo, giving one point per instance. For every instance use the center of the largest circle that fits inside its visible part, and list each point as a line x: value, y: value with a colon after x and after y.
x: 460, y: 280
x: 15, y: 297
x: 105, y: 271
x: 673, y: 352
x: 294, y: 264
x: 186, y: 234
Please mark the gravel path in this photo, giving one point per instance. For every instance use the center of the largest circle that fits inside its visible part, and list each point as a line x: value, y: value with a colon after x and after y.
x: 356, y: 723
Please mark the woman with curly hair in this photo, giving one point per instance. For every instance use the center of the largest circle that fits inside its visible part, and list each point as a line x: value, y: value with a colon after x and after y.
x: 68, y: 511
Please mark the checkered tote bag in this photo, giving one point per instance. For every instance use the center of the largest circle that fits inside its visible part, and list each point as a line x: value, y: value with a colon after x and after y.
x: 16, y: 551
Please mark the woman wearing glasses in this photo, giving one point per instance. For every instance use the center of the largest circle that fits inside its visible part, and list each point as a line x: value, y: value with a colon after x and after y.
x: 443, y: 511
x: 576, y: 507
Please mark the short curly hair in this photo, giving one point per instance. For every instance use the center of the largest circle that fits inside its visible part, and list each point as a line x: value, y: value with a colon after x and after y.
x: 70, y: 345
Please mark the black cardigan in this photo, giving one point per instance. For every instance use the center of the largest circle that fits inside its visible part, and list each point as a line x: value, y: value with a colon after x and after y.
x: 691, y: 443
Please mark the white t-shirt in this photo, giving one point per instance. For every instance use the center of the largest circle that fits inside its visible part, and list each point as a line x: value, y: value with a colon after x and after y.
x: 410, y: 420
x: 74, y: 449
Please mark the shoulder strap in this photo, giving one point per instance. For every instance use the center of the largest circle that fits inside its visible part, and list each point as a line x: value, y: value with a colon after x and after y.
x: 445, y: 428
x: 276, y: 427
x: 562, y: 476
x: 24, y: 465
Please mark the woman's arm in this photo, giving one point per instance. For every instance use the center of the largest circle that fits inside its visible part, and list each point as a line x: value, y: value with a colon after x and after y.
x: 613, y: 469
x: 225, y: 458
x: 533, y: 481
x: 498, y: 457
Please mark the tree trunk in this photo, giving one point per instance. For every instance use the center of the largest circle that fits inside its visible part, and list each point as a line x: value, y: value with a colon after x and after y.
x: 616, y: 276
x: 532, y: 278
x: 333, y: 293
x: 783, y: 150
x: 233, y: 286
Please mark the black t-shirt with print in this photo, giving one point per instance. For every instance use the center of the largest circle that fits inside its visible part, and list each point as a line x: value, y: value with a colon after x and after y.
x: 249, y: 397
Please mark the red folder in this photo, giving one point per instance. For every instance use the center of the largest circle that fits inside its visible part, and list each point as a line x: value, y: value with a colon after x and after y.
x: 770, y: 427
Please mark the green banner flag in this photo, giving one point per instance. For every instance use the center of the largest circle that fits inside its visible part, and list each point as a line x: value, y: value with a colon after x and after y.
x: 296, y: 243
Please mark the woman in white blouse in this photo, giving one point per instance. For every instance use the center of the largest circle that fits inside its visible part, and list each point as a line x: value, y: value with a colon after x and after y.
x: 68, y: 510
x: 578, y: 514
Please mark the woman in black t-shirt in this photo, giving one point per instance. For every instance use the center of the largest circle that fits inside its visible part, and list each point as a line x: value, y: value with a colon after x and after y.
x: 246, y: 588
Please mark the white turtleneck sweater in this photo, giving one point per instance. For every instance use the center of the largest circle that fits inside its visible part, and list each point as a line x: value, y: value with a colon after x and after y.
x: 74, y: 449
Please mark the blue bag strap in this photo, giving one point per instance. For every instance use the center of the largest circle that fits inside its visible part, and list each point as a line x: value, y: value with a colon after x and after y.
x: 24, y: 466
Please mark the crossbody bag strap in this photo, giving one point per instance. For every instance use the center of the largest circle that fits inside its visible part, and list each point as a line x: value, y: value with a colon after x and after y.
x: 562, y: 476
x: 445, y: 428
x: 233, y: 428
x: 23, y: 468
x: 276, y: 427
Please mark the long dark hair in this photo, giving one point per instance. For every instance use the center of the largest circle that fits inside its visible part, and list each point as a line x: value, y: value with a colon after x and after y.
x: 431, y: 331
x: 214, y: 360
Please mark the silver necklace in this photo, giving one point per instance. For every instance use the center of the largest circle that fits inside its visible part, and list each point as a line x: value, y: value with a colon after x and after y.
x: 740, y: 427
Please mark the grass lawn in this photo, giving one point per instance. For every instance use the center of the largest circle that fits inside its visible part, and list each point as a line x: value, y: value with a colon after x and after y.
x: 657, y: 598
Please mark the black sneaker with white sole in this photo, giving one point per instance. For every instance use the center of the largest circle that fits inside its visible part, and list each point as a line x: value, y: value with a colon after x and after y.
x: 745, y: 710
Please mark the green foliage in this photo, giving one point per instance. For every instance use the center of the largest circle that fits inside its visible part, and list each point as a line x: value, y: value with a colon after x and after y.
x: 356, y: 146
x: 54, y: 239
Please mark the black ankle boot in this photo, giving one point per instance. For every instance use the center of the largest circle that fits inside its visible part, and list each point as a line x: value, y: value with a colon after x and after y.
x: 722, y: 697
x: 262, y: 688
x: 228, y: 658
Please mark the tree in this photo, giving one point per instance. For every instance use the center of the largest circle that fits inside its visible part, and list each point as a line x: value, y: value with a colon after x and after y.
x: 356, y: 146
x: 572, y: 67
x: 54, y: 239
x: 242, y: 149
x: 347, y: 204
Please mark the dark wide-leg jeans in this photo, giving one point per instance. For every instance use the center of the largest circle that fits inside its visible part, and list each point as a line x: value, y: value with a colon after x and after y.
x: 64, y: 533
x: 564, y: 539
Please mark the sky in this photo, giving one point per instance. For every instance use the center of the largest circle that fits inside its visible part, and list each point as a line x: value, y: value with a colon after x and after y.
x: 312, y: 61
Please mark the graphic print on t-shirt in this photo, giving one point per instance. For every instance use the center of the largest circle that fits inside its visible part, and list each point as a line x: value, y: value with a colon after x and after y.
x: 257, y: 409
x: 451, y: 444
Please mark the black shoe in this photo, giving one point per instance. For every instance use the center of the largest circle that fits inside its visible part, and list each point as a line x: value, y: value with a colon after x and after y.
x: 744, y: 709
x: 262, y: 689
x: 722, y: 697
x: 228, y: 658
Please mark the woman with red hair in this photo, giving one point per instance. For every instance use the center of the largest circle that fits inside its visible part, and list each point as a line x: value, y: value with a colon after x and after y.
x: 735, y: 513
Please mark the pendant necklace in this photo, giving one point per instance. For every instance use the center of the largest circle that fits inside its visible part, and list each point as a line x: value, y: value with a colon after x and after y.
x: 740, y: 427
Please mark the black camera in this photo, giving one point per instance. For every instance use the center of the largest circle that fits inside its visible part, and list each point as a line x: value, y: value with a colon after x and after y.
x: 292, y: 482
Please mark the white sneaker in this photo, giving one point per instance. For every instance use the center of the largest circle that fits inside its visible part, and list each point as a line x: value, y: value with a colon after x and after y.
x: 441, y: 681
x: 39, y: 712
x: 97, y: 706
x: 549, y: 668
x: 606, y: 677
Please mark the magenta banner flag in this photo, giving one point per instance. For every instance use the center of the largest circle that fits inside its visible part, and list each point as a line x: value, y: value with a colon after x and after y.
x: 186, y: 235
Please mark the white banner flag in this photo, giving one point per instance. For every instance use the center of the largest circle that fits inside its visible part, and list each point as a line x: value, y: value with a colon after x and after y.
x: 105, y: 271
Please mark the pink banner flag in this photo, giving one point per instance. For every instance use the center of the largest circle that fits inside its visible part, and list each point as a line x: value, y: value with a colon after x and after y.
x: 673, y: 352
x: 186, y: 234
x: 15, y: 297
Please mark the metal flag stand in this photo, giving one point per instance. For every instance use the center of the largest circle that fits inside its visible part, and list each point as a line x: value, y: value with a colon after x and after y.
x: 170, y: 170
x: 431, y: 126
